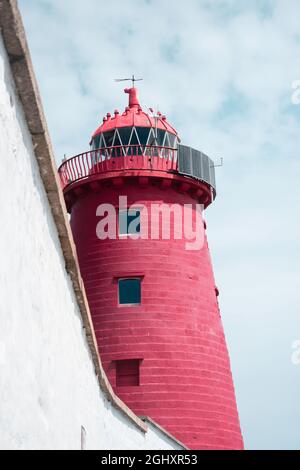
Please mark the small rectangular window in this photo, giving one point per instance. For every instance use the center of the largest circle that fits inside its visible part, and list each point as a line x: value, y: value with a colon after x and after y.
x: 129, y: 291
x: 129, y: 222
x: 128, y: 373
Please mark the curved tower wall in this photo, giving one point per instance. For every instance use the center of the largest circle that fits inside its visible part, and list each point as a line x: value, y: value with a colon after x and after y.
x: 176, y: 334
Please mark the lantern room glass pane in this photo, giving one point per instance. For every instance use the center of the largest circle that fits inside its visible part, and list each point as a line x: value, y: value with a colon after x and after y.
x: 125, y: 133
x: 102, y: 141
x: 129, y: 291
x: 151, y: 138
x: 172, y: 139
x: 134, y: 139
x: 117, y: 140
x: 109, y: 137
x: 160, y: 137
x: 96, y: 141
x: 143, y: 133
x: 135, y: 149
x: 167, y: 142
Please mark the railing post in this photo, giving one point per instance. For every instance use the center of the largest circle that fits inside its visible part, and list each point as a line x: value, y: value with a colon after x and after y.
x: 95, y: 161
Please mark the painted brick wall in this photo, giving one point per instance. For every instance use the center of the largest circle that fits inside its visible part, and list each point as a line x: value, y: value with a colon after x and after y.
x: 47, y: 381
x: 185, y: 377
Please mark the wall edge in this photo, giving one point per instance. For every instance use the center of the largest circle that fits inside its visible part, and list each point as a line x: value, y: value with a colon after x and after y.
x: 14, y: 38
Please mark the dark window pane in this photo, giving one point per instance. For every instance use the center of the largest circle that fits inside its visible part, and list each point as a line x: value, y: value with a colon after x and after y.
x: 97, y: 141
x: 166, y: 142
x: 129, y: 291
x: 128, y: 373
x: 134, y: 140
x: 160, y: 137
x: 136, y: 149
x: 151, y: 139
x: 129, y: 222
x: 118, y: 151
x: 102, y: 142
x: 117, y: 141
x: 125, y: 133
x: 109, y: 136
x: 143, y: 133
x: 172, y: 139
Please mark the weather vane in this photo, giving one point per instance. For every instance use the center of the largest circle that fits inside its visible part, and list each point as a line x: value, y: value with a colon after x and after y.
x: 133, y: 79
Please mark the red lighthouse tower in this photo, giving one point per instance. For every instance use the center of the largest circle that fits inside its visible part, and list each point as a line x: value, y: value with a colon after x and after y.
x: 153, y: 301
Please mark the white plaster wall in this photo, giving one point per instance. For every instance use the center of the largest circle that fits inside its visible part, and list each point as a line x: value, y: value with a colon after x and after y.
x: 48, y: 388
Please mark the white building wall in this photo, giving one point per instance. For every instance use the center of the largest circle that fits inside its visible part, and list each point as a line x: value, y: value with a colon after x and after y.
x: 48, y: 388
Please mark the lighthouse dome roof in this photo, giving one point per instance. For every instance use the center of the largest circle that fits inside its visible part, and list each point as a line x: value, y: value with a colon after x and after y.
x: 134, y: 126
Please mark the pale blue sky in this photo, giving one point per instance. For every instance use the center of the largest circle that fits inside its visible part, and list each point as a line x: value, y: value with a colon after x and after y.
x: 222, y: 72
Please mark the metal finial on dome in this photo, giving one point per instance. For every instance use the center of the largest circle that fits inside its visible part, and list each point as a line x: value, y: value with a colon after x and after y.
x: 134, y: 115
x: 133, y: 98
